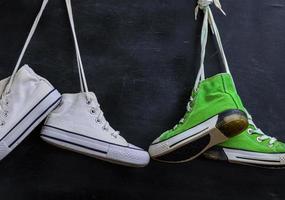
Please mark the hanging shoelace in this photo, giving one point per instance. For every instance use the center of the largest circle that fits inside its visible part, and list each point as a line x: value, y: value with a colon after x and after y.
x: 31, y: 33
x: 262, y: 136
x: 188, y: 109
x: 95, y: 109
x: 208, y: 19
x: 4, y: 96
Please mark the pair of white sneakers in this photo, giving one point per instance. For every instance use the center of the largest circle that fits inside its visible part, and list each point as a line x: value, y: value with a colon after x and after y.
x: 74, y: 121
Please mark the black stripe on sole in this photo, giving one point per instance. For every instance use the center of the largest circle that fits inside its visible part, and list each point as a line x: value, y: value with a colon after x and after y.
x: 229, y: 123
x: 26, y: 115
x: 219, y: 148
x: 46, y: 110
x: 217, y: 153
x: 274, y: 161
x: 189, y: 137
x: 187, y: 151
x: 72, y: 143
x: 85, y: 136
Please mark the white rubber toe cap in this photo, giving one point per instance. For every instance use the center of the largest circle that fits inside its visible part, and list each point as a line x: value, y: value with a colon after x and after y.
x: 131, y: 155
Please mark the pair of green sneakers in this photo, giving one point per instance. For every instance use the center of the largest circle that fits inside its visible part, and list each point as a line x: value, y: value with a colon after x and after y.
x: 216, y: 124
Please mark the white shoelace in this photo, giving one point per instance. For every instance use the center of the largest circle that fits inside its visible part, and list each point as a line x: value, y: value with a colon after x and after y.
x: 204, y: 5
x: 209, y: 19
x: 31, y: 33
x: 258, y: 131
x: 3, y: 101
x: 83, y: 83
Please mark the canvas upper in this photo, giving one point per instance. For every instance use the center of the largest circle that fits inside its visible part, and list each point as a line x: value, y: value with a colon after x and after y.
x: 26, y: 91
x: 75, y: 114
x: 213, y: 96
x: 249, y: 140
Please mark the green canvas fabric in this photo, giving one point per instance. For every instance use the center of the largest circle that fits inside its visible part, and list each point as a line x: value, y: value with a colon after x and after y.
x: 213, y: 96
x: 249, y: 142
x: 252, y: 139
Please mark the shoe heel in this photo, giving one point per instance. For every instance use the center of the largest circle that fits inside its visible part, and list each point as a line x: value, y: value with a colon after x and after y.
x: 232, y: 122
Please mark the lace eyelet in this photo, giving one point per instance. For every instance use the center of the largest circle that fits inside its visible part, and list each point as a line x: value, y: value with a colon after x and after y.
x: 93, y: 111
x: 258, y: 139
x: 249, y: 131
x: 2, y: 123
x: 104, y: 128
x: 7, y: 103
x: 6, y: 114
x: 88, y: 102
x: 98, y: 121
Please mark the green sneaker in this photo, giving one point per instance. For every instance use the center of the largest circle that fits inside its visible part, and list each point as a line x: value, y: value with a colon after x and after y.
x: 214, y: 112
x: 252, y: 147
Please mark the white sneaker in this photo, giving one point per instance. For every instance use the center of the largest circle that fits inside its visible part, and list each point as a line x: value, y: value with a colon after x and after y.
x: 79, y: 125
x: 26, y: 99
x: 29, y: 101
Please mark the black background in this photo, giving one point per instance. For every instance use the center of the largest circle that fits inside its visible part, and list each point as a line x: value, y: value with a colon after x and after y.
x: 141, y: 59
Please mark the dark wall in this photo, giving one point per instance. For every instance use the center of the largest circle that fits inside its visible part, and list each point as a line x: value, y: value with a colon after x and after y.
x: 141, y: 59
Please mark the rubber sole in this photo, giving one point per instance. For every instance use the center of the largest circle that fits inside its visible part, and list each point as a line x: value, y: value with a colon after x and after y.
x: 124, y: 155
x: 190, y: 144
x: 25, y: 126
x: 263, y: 160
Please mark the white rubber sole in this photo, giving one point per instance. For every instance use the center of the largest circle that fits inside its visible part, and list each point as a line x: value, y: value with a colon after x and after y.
x: 247, y: 157
x: 25, y: 126
x: 80, y: 143
x: 190, y: 144
x: 156, y: 150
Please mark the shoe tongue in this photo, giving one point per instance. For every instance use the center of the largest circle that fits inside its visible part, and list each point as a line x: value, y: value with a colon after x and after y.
x: 24, y: 69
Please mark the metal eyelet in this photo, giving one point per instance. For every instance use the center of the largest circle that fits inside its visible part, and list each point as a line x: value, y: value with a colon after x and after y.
x: 93, y: 111
x: 98, y: 121
x: 249, y: 131
x: 258, y: 139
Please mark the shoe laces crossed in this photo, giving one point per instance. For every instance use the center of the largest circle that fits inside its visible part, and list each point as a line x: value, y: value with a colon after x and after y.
x: 205, y: 6
x: 99, y: 115
x: 90, y: 100
x: 188, y: 109
x: 258, y: 131
x: 208, y: 16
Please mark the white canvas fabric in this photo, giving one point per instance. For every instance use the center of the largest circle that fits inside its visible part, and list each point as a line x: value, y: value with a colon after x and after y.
x: 78, y: 124
x: 26, y: 99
